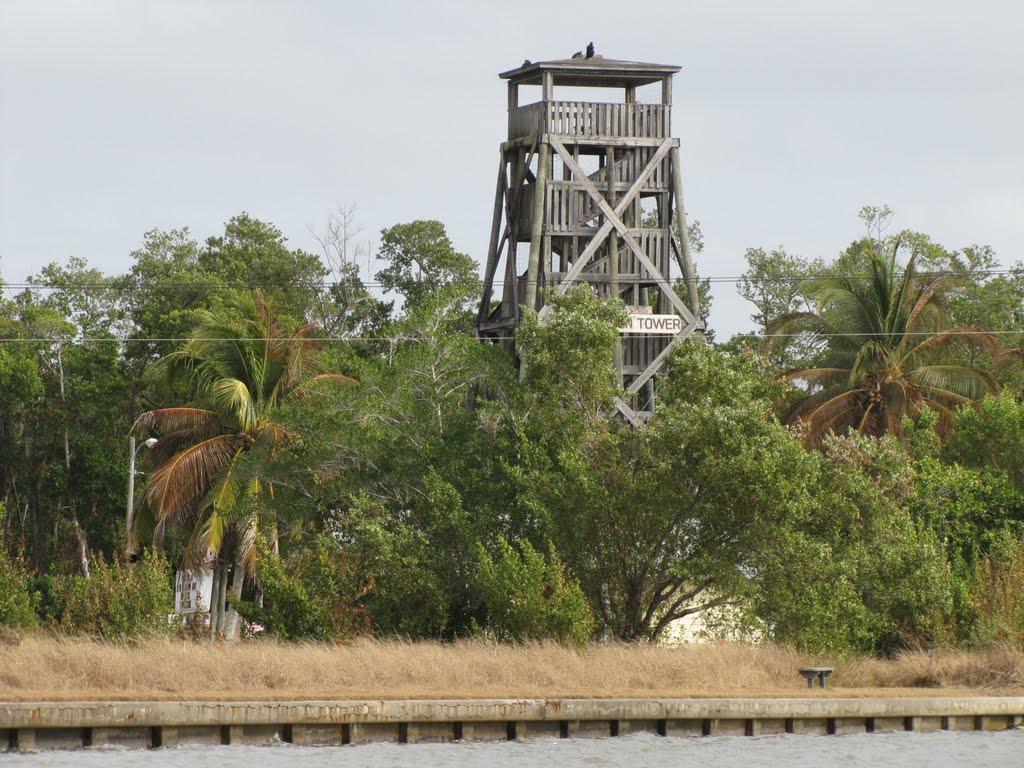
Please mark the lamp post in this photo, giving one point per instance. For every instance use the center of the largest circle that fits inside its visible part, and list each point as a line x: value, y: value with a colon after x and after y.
x: 129, y: 538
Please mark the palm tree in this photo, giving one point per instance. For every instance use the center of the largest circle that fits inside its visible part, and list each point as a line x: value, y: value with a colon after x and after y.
x: 242, y: 364
x: 886, y: 351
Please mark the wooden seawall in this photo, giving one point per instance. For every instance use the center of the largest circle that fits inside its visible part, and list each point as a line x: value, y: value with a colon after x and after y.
x: 69, y: 725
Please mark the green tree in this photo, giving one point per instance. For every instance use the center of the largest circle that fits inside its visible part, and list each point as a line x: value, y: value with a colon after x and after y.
x: 886, y: 349
x: 252, y: 256
x: 998, y: 595
x: 991, y: 297
x: 173, y: 276
x: 775, y: 283
x: 567, y: 360
x: 991, y: 437
x: 421, y: 261
x: 663, y: 522
x: 166, y: 285
x: 408, y: 470
x: 67, y: 465
x: 854, y: 571
x: 973, y: 513
x: 414, y: 561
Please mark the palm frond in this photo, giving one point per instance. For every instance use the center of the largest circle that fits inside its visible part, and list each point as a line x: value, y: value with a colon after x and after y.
x: 270, y: 435
x: 824, y: 405
x: 174, y: 419
x: 246, y: 553
x: 924, y: 305
x: 838, y: 418
x: 964, y: 381
x: 233, y: 396
x: 206, y: 538
x: 176, y: 485
x: 846, y: 308
x: 308, y: 388
x: 224, y: 494
x: 872, y: 357
x: 963, y: 339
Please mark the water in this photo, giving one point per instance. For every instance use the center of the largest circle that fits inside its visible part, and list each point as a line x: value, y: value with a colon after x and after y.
x: 975, y: 749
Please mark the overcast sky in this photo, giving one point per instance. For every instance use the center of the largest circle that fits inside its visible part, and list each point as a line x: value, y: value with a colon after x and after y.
x: 118, y: 116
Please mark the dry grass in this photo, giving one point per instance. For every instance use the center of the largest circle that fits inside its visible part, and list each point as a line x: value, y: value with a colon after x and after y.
x: 41, y: 668
x: 995, y: 668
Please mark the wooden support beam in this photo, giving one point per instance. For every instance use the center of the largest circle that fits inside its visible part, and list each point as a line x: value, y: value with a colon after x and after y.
x: 536, y: 234
x: 492, y: 248
x: 613, y: 247
x: 626, y: 410
x: 665, y: 223
x: 513, y: 102
x: 510, y: 295
x: 689, y: 275
x: 613, y: 260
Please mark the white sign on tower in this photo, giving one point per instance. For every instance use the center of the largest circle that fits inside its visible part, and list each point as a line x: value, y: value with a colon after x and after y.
x: 648, y: 323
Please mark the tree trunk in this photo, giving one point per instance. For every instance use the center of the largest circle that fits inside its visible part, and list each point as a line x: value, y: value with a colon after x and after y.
x: 38, y: 548
x: 222, y: 587
x: 233, y: 624
x: 215, y: 600
x: 83, y: 546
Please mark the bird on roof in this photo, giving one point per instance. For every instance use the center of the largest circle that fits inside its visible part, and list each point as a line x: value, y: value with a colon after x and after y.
x: 590, y: 50
x: 578, y: 55
x: 527, y: 62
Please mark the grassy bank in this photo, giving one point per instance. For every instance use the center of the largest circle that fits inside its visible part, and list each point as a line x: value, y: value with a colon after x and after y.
x: 41, y: 668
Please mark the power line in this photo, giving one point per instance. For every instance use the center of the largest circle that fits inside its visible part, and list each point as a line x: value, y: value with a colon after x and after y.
x: 327, y: 284
x: 347, y: 339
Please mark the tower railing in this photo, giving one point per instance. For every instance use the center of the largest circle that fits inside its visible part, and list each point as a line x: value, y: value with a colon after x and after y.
x: 595, y: 119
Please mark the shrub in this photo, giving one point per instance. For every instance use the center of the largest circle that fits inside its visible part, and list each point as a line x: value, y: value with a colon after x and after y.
x: 118, y: 601
x: 15, y: 601
x: 998, y: 595
x: 856, y: 573
x: 315, y: 596
x: 529, y: 597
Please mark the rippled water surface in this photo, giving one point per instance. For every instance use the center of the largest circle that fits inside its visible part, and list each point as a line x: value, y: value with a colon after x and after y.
x: 1000, y: 749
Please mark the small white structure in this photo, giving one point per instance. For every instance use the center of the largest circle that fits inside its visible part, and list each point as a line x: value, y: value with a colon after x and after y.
x: 193, y: 591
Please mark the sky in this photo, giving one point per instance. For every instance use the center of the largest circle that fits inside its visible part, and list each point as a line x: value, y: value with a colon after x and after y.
x: 120, y: 116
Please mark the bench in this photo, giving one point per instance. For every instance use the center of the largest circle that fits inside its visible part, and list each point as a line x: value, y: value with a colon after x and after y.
x: 810, y: 674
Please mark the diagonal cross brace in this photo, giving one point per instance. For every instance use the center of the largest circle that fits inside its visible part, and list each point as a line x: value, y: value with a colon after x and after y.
x: 613, y: 220
x: 624, y: 201
x: 655, y: 364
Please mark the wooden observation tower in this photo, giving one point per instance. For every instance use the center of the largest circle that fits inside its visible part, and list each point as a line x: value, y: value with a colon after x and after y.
x: 590, y: 191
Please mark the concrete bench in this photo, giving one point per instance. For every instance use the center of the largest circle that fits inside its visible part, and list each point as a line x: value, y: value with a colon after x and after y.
x: 810, y: 674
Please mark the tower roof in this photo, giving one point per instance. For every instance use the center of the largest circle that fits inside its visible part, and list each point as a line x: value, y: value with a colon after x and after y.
x: 596, y: 71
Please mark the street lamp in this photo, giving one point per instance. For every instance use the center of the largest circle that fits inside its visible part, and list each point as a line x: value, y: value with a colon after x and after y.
x: 129, y: 538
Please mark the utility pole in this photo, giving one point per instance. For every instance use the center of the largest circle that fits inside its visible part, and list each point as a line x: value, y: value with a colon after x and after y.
x: 129, y: 518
